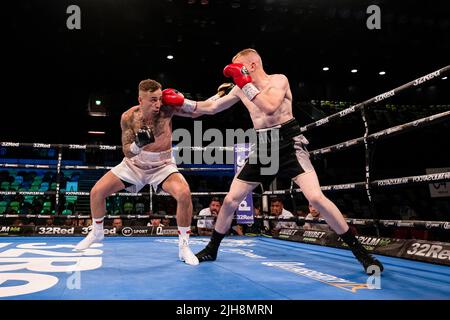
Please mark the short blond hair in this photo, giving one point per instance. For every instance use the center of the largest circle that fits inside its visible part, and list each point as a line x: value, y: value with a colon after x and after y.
x: 149, y: 85
x: 245, y: 52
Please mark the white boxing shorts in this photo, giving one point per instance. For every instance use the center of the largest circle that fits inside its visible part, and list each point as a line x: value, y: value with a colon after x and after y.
x: 146, y: 168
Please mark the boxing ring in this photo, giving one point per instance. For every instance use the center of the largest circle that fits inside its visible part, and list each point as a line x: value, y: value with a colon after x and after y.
x: 248, y: 268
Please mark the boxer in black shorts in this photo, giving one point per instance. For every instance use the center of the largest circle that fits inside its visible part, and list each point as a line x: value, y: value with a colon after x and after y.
x: 293, y: 158
x: 268, y: 99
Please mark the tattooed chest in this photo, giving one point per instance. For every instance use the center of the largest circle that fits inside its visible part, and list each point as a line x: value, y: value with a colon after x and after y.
x: 159, y: 125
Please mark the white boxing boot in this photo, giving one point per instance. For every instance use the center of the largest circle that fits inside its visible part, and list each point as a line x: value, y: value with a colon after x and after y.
x: 184, y: 252
x: 95, y: 235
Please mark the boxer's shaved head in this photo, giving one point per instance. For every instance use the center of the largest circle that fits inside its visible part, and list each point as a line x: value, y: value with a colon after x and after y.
x: 251, y: 55
x: 248, y: 57
x: 149, y: 85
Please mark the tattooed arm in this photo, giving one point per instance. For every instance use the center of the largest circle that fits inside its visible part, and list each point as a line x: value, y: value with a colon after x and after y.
x: 128, y: 135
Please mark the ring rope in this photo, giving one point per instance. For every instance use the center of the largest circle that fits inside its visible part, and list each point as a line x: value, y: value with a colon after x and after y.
x: 416, y: 124
x: 402, y: 181
x: 442, y: 225
x: 76, y: 167
x: 381, y: 97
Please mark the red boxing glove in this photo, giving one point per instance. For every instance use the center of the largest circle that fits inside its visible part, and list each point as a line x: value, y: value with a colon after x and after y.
x: 241, y: 77
x: 239, y: 73
x: 174, y: 98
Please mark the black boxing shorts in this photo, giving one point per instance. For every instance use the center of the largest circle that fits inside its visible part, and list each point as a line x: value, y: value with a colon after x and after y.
x: 293, y: 158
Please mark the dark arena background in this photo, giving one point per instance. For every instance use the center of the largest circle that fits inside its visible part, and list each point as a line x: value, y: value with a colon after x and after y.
x: 371, y: 94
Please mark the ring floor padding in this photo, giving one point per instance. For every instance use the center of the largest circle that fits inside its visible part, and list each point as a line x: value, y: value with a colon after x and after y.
x: 247, y: 268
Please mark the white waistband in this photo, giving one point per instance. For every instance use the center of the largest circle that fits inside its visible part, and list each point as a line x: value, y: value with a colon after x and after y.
x: 148, y: 156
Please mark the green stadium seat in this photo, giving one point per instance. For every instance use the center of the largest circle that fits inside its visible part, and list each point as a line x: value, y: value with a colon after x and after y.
x: 28, y: 199
x: 128, y: 207
x: 46, y: 207
x: 67, y: 211
x: 36, y: 184
x: 3, y: 206
x: 71, y: 199
x: 14, y: 205
x: 15, y: 186
x: 5, y: 185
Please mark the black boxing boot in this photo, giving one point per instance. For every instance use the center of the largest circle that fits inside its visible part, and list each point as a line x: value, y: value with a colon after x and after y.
x: 209, y: 253
x: 360, y: 252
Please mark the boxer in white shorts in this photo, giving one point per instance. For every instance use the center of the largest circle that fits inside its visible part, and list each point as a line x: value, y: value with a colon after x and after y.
x: 147, y: 146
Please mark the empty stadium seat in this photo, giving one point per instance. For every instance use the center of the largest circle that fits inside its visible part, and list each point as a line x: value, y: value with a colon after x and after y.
x: 67, y: 211
x: 28, y: 199
x: 43, y: 186
x: 46, y: 207
x: 15, y: 186
x: 140, y: 208
x: 128, y: 207
x: 5, y: 186
x: 14, y: 205
x: 3, y: 206
x: 18, y: 179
